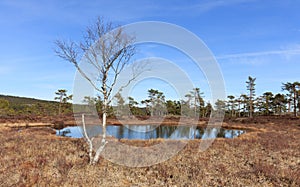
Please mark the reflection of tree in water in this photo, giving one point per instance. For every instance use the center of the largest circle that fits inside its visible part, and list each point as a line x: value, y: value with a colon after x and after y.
x: 120, y: 132
x: 64, y: 132
x: 165, y: 131
x: 210, y: 133
x: 198, y: 132
x: 222, y: 133
x: 184, y: 132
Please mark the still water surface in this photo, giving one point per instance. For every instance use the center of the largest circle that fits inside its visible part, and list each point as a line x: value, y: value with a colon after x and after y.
x: 152, y: 132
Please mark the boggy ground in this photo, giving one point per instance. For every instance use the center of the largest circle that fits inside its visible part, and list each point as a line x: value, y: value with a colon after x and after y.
x: 268, y: 155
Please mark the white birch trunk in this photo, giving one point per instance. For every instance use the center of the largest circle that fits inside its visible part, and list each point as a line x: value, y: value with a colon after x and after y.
x: 103, y: 141
x: 90, y: 143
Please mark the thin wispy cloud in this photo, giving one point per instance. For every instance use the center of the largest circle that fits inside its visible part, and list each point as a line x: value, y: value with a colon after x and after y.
x: 205, y: 6
x: 209, y: 5
x: 260, y: 54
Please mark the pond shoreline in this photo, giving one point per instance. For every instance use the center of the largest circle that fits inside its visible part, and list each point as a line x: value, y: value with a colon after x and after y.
x: 252, y: 126
x: 150, y: 131
x: 57, y: 126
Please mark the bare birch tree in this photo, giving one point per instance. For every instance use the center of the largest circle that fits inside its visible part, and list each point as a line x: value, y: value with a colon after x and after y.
x: 108, y: 49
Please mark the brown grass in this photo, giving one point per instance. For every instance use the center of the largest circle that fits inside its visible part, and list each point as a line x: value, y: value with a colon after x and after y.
x: 267, y: 156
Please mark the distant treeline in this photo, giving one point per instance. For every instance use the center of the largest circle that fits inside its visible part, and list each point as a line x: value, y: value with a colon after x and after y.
x: 156, y: 104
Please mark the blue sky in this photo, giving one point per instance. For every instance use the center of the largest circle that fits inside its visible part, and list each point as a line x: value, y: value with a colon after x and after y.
x: 247, y: 37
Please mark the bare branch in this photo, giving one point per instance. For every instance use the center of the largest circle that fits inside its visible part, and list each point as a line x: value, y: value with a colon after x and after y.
x: 66, y: 51
x: 69, y: 52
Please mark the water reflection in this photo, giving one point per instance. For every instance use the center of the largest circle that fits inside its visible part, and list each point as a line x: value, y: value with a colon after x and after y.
x: 148, y: 132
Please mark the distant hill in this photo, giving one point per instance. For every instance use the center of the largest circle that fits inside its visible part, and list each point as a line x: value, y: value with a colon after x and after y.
x: 15, y: 100
x: 19, y: 106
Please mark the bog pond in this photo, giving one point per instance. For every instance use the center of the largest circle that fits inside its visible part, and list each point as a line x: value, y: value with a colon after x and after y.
x: 146, y: 132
